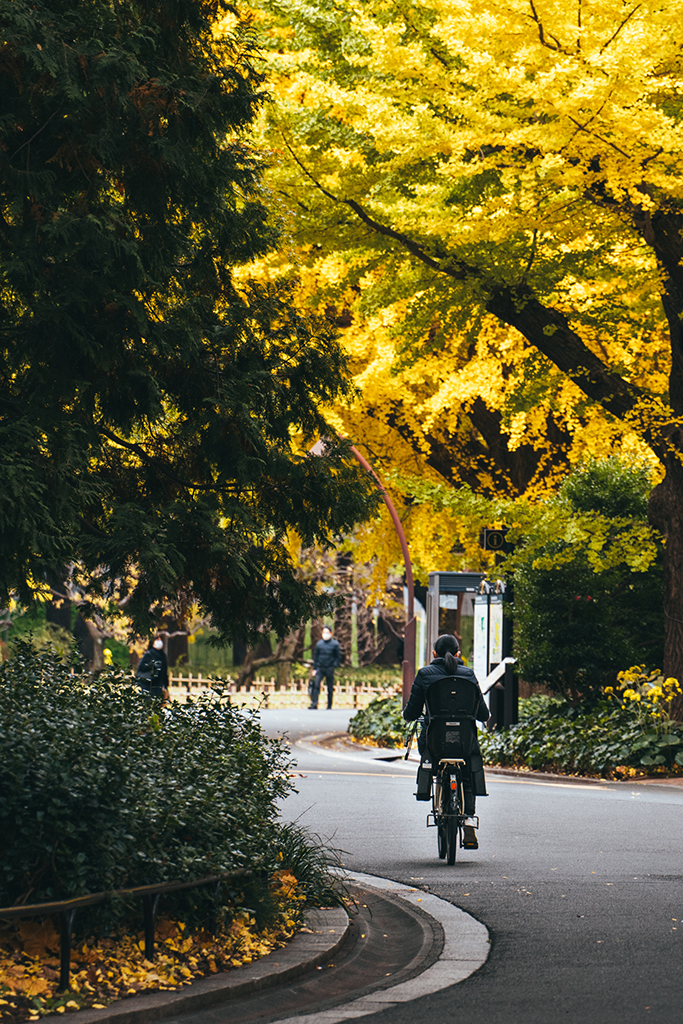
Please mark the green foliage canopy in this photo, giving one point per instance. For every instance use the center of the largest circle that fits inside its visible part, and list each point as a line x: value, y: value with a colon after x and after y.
x: 579, y: 618
x: 154, y: 401
x: 587, y: 573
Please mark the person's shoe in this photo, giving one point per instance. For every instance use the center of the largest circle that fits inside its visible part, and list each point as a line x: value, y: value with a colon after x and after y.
x: 469, y: 835
x: 312, y: 707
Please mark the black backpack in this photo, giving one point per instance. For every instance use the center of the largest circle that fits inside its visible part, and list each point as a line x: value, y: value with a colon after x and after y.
x: 148, y: 670
x: 451, y: 706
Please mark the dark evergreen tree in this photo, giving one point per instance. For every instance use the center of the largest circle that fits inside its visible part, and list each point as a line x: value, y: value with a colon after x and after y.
x: 150, y: 400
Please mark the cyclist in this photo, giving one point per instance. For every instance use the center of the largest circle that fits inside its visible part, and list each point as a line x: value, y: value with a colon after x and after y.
x: 448, y: 663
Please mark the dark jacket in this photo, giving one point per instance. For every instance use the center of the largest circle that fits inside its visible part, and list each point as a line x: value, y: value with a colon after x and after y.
x: 327, y: 654
x: 427, y: 675
x: 156, y: 663
x: 416, y: 703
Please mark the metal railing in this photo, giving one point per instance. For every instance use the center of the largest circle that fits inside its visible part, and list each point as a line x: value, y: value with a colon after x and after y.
x: 149, y: 894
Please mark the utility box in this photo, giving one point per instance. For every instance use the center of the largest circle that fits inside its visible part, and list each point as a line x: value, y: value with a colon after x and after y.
x: 450, y: 609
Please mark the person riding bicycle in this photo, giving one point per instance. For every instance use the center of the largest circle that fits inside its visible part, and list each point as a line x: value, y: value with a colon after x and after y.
x: 448, y: 663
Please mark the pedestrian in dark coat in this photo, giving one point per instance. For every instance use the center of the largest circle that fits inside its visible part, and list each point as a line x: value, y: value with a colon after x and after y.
x: 326, y: 658
x: 152, y: 671
x: 448, y: 663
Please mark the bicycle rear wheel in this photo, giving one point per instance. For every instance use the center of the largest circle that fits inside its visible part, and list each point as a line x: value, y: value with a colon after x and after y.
x: 437, y: 800
x: 452, y: 836
x: 452, y: 801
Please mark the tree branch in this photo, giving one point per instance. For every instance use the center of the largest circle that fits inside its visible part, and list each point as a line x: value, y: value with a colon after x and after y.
x: 463, y: 270
x: 618, y: 30
x: 555, y: 44
x: 156, y: 462
x: 549, y: 330
x: 545, y: 328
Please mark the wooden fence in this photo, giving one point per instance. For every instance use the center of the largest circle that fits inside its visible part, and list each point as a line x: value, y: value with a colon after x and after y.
x: 267, y: 694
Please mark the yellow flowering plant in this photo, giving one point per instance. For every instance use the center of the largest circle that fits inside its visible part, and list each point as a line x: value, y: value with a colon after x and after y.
x: 649, y: 690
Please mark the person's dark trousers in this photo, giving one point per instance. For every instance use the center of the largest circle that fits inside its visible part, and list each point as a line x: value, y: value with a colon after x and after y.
x: 314, y: 691
x: 468, y: 791
x: 328, y: 673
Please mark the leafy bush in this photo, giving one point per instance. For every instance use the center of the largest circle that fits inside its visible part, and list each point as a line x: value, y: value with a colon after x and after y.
x: 381, y: 722
x: 615, y: 735
x: 31, y: 624
x: 100, y: 789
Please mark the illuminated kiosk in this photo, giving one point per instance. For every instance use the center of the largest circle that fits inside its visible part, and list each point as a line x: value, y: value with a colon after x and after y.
x: 471, y: 607
x: 492, y: 661
x: 450, y: 609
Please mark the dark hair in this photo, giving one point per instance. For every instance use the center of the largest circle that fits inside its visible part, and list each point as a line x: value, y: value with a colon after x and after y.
x: 446, y: 646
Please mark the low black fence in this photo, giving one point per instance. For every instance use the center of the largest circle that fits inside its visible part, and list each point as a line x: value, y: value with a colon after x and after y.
x: 149, y: 894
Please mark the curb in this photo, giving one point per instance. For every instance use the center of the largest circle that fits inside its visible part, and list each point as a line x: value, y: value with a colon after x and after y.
x: 324, y: 741
x: 328, y: 930
x: 466, y: 948
x: 582, y: 780
x: 346, y: 750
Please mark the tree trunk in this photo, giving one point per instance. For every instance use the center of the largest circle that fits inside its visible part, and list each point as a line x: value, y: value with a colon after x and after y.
x: 283, y: 656
x: 666, y: 514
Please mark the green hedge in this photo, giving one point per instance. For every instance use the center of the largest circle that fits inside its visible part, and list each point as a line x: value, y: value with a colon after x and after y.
x: 552, y: 735
x: 100, y: 789
x: 380, y: 721
x: 590, y: 739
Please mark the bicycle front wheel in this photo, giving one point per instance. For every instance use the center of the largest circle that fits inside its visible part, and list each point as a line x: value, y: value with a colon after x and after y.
x: 441, y: 837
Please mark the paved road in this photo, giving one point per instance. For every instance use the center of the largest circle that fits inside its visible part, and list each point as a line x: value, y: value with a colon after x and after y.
x: 579, y: 885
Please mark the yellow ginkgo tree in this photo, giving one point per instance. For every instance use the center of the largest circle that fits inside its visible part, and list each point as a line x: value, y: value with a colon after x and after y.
x: 500, y: 181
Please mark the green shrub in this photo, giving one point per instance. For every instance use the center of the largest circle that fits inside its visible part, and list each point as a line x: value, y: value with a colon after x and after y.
x: 590, y: 738
x: 381, y: 721
x: 100, y: 789
x: 31, y: 625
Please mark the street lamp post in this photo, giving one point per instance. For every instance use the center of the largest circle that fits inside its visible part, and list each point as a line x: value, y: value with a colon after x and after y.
x: 408, y: 666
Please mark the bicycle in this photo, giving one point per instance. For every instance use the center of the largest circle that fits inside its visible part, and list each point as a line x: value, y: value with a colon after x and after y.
x: 448, y: 807
x: 450, y: 737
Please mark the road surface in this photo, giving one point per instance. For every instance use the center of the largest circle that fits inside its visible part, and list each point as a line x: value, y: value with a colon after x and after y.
x: 580, y: 885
